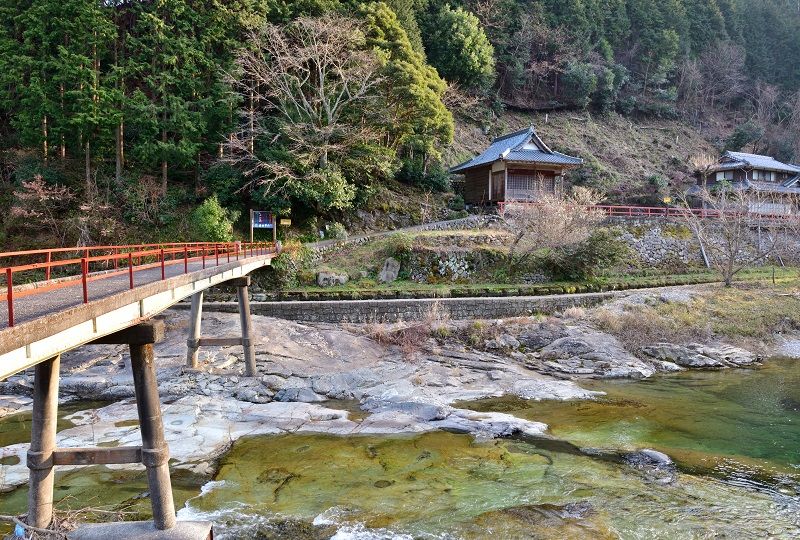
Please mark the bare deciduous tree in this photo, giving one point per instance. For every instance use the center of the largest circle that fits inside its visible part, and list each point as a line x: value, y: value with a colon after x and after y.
x: 704, y: 164
x: 550, y: 221
x: 40, y: 207
x: 310, y: 84
x: 746, y: 227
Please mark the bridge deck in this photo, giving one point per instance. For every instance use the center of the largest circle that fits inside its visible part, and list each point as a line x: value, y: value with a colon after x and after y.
x: 30, y: 307
x: 50, y: 321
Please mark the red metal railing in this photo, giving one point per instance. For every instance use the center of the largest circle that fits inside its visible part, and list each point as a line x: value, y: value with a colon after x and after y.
x: 58, y: 266
x: 657, y: 211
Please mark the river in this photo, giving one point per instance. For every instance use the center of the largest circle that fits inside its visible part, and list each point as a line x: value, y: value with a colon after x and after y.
x: 734, y: 435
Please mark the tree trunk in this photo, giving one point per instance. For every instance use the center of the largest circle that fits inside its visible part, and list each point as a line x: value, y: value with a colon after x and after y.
x: 88, y: 165
x: 164, y: 159
x: 44, y: 138
x: 119, y: 152
x: 251, y: 141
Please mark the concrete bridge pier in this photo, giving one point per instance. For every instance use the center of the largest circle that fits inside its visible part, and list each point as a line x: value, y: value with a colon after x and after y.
x: 153, y: 453
x: 247, y: 341
x: 43, y: 443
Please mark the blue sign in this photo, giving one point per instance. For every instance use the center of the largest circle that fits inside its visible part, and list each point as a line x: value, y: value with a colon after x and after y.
x: 263, y: 220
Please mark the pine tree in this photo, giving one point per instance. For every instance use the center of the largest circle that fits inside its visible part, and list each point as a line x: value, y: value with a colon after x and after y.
x: 459, y: 49
x: 416, y: 121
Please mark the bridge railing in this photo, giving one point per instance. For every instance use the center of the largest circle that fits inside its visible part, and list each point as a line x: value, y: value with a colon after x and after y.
x: 44, y: 270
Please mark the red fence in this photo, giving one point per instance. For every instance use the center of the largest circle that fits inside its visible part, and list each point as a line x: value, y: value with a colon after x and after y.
x: 660, y: 211
x: 45, y: 270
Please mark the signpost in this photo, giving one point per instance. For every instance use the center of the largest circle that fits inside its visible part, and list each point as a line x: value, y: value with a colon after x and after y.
x: 260, y: 219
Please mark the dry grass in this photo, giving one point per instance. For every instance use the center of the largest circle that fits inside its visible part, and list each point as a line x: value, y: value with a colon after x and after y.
x: 748, y: 315
x: 575, y: 312
x: 409, y: 336
x: 644, y: 325
x: 66, y: 521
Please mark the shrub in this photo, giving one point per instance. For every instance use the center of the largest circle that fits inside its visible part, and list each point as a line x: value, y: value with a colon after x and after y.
x: 399, y: 246
x: 437, y: 178
x: 586, y: 259
x: 336, y: 230
x: 580, y: 83
x: 456, y: 203
x: 289, y: 268
x: 210, y: 222
x: 743, y: 135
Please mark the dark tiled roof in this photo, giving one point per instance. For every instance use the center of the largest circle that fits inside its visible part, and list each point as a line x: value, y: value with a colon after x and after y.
x: 537, y: 156
x: 766, y: 187
x: 740, y: 160
x: 510, y: 148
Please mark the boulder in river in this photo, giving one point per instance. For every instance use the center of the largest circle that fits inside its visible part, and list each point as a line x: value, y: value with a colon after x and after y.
x: 657, y: 466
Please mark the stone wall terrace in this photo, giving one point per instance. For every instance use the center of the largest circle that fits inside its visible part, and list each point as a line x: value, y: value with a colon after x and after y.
x: 368, y: 311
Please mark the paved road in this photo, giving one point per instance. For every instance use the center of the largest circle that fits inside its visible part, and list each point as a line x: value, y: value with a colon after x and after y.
x: 36, y: 305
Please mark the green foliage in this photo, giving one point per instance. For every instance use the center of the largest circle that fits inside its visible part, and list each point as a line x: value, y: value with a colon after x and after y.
x: 210, y: 222
x: 415, y: 118
x: 580, y: 82
x: 458, y: 48
x: 602, y: 250
x: 286, y: 269
x: 744, y: 134
x: 227, y: 183
x: 336, y: 231
x: 436, y: 179
x: 399, y: 246
x: 456, y: 203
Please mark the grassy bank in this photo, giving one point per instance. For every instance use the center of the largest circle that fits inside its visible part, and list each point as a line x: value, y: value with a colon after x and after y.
x: 363, y: 289
x: 752, y: 313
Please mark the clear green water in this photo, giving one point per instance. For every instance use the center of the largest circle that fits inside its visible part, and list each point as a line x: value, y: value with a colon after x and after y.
x: 442, y: 485
x: 738, y: 424
x: 736, y: 431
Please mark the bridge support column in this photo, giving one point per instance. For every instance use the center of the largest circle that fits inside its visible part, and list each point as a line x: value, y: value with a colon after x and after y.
x: 247, y: 326
x: 43, y: 443
x: 193, y: 343
x: 247, y: 341
x: 155, y: 452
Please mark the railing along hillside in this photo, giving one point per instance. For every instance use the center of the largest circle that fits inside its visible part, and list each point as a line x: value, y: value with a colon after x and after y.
x: 662, y: 211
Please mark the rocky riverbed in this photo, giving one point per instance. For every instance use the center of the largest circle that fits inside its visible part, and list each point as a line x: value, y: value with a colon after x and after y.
x: 404, y: 377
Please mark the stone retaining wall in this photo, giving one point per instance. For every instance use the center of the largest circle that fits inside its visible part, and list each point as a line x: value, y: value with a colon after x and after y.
x: 366, y: 311
x: 470, y: 222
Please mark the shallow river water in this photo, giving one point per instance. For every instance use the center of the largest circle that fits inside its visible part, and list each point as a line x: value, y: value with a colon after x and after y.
x: 735, y: 435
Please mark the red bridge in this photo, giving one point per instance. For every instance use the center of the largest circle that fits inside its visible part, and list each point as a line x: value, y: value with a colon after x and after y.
x: 59, y: 299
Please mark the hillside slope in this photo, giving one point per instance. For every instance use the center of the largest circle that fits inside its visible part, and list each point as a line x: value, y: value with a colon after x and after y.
x: 631, y: 161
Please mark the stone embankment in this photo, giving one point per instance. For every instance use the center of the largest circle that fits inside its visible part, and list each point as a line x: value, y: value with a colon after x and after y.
x: 371, y: 311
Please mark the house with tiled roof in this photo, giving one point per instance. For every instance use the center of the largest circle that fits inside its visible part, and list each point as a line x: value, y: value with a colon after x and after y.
x: 517, y: 166
x: 755, y: 172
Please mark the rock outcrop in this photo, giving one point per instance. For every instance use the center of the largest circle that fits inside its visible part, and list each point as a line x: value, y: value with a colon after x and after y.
x: 390, y: 270
x: 585, y: 352
x: 696, y: 355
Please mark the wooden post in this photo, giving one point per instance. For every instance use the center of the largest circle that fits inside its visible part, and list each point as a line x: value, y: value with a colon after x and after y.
x: 155, y: 452
x: 247, y: 329
x: 193, y: 343
x: 43, y: 442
